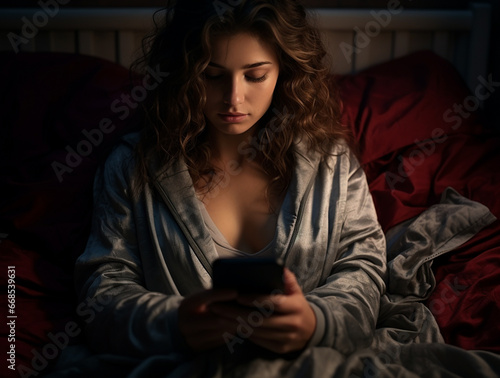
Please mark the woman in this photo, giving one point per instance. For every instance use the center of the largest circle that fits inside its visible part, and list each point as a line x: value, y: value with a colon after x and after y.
x: 242, y: 154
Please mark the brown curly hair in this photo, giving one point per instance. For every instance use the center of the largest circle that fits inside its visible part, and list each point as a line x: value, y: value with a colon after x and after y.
x: 303, y: 106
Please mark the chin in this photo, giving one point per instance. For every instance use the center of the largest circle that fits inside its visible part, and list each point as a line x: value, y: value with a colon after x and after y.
x: 233, y: 128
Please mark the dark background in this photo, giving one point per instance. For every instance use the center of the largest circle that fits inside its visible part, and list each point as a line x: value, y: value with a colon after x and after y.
x: 309, y: 3
x: 491, y: 105
x: 436, y: 4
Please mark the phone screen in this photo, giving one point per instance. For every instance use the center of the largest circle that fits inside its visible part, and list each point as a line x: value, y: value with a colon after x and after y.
x: 250, y: 275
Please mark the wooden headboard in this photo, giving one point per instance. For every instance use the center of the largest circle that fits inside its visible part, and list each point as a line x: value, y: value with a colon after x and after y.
x: 355, y: 38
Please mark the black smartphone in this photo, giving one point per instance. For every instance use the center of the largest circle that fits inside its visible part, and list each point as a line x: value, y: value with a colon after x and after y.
x: 249, y: 275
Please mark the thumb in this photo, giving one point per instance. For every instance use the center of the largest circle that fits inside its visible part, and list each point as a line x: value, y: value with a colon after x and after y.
x: 290, y: 283
x: 199, y: 301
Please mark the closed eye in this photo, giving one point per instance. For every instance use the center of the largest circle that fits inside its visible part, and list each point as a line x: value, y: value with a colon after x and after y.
x: 251, y: 79
x: 256, y: 79
x: 212, y: 77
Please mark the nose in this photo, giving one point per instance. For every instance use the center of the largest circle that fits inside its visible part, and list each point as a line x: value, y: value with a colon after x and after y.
x: 234, y: 92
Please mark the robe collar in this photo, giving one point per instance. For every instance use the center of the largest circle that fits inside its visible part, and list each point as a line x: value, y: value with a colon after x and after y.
x: 177, y: 190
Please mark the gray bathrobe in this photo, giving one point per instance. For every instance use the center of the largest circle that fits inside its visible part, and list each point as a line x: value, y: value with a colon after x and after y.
x: 145, y: 254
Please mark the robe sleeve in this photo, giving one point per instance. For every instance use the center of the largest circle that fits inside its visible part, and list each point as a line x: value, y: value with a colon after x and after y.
x: 121, y: 316
x: 347, y: 305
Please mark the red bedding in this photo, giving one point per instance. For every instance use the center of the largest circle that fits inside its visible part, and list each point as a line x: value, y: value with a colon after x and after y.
x: 418, y: 136
x: 413, y: 145
x: 46, y: 101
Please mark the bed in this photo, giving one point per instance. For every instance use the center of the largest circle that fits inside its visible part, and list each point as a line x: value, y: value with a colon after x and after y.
x: 411, y: 82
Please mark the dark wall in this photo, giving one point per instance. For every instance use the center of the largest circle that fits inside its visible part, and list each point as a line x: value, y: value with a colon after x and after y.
x: 492, y: 104
x: 309, y: 3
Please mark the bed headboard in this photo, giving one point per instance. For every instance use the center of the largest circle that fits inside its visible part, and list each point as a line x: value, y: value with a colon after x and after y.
x: 355, y: 38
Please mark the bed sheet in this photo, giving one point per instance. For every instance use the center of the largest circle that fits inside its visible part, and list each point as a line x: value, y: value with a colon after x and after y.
x: 419, y: 132
x: 413, y: 145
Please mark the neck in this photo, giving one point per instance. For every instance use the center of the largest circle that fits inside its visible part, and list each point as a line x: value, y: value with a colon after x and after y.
x: 233, y: 149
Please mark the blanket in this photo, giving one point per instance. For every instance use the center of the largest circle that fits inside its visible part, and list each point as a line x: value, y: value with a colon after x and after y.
x: 407, y: 341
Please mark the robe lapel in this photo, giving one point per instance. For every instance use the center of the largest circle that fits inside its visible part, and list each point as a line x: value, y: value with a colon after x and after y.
x: 176, y: 188
x: 295, y: 200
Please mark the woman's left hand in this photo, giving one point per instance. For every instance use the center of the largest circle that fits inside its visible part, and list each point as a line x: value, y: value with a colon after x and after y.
x: 284, y: 322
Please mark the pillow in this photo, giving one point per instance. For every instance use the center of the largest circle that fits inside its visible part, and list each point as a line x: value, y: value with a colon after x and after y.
x: 61, y: 114
x: 397, y: 103
x: 419, y: 131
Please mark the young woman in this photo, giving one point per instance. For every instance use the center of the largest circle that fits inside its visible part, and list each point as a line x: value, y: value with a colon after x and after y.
x: 241, y: 155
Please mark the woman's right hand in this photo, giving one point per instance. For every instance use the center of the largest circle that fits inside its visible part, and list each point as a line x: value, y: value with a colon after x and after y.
x: 203, y: 329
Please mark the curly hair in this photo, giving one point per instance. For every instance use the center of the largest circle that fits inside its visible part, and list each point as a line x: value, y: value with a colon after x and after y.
x: 303, y: 106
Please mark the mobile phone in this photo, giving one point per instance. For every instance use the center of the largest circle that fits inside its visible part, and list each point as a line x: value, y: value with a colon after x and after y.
x: 249, y: 275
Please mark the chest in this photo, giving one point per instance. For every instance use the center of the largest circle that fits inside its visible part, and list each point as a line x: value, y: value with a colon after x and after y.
x: 243, y: 211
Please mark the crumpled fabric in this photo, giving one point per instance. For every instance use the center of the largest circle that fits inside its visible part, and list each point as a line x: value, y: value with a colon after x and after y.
x: 406, y: 342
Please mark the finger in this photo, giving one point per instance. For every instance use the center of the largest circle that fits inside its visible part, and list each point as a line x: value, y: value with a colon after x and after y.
x: 290, y: 281
x: 279, y: 302
x: 274, y: 333
x: 218, y: 295
x: 207, y: 323
x: 231, y: 311
x: 209, y: 340
x: 206, y: 297
x: 279, y: 324
x: 265, y: 302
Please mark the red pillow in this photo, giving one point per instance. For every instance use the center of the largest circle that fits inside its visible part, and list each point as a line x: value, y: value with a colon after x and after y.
x: 419, y: 131
x: 397, y: 103
x: 54, y: 133
x: 59, y: 119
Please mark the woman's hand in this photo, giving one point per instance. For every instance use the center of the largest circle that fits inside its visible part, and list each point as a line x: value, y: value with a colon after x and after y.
x: 285, y: 323
x: 202, y: 328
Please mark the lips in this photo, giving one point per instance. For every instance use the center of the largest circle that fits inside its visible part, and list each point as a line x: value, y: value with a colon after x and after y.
x: 233, y: 117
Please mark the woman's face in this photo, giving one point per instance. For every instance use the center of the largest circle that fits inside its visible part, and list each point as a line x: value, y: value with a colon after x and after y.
x: 240, y: 81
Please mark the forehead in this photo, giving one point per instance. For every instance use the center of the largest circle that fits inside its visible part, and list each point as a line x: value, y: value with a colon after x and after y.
x: 241, y: 49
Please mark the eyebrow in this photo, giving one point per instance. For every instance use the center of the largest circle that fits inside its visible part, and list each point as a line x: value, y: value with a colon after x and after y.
x: 246, y: 66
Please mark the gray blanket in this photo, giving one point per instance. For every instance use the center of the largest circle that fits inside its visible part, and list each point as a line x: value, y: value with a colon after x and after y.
x: 407, y: 341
